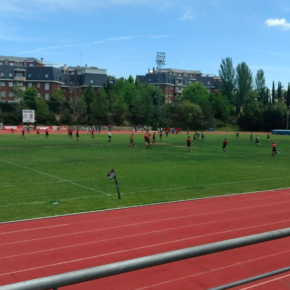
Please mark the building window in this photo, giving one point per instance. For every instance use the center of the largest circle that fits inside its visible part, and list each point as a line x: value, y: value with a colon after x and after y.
x: 30, y: 85
x: 92, y: 81
x: 38, y: 85
x: 10, y: 94
x: 46, y: 76
x: 46, y: 86
x: 10, y: 84
x: 46, y: 97
x: 208, y: 83
x: 29, y: 76
x: 38, y: 95
x: 19, y: 84
x: 31, y: 64
x: 2, y: 94
x: 2, y: 74
x: 149, y: 80
x: 2, y: 84
x: 10, y: 74
x: 12, y: 63
x: 1, y: 62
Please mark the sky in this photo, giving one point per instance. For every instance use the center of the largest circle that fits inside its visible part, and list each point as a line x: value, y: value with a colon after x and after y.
x: 123, y: 36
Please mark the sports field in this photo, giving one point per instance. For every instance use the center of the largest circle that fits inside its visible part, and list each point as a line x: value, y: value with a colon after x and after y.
x: 37, y: 171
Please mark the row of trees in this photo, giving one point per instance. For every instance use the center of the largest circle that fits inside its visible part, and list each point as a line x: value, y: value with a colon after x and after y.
x: 243, y: 100
x: 256, y: 107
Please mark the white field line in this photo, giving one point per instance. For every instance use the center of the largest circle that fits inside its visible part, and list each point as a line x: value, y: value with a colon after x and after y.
x: 266, y: 282
x: 148, y: 205
x: 53, y: 176
x: 136, y: 235
x: 147, y: 213
x: 162, y: 189
x: 136, y: 224
x: 139, y: 248
x: 205, y: 185
x: 213, y: 270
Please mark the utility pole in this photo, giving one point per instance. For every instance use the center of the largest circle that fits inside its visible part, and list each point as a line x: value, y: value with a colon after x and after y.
x: 160, y: 62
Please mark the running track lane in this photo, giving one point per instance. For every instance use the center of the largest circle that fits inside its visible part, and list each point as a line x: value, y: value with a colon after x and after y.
x: 39, y: 248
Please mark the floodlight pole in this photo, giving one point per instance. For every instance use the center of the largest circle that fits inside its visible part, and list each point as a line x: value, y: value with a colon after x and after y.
x: 160, y: 62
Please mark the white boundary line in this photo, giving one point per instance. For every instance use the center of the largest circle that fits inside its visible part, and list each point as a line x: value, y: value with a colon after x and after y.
x: 139, y: 248
x: 213, y: 270
x: 141, y: 223
x: 152, y: 212
x: 136, y: 235
x: 145, y: 205
x: 266, y: 282
x: 62, y: 179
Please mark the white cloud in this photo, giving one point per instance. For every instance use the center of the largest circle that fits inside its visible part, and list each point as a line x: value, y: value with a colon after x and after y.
x: 96, y: 42
x: 278, y: 22
x: 187, y: 16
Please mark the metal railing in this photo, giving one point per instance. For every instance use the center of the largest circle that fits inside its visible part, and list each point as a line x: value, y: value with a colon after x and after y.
x: 66, y: 279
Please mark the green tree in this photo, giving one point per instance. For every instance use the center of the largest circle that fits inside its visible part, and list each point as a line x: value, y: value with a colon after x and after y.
x: 227, y: 73
x: 118, y: 108
x: 273, y: 93
x: 100, y: 106
x: 244, y: 84
x: 190, y: 114
x: 288, y: 97
x: 30, y: 95
x: 43, y: 115
x: 79, y: 109
x: 59, y: 99
x: 18, y: 92
x: 221, y: 106
x: 66, y: 117
x: 260, y: 84
x: 279, y: 91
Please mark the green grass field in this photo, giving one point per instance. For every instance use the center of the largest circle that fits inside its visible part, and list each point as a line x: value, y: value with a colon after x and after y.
x: 37, y: 171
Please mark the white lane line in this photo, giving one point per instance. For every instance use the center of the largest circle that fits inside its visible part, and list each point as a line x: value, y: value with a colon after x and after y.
x: 213, y: 270
x: 139, y: 214
x: 215, y: 197
x: 140, y: 248
x: 136, y: 235
x: 53, y: 176
x: 35, y: 229
x: 137, y: 224
x: 266, y: 282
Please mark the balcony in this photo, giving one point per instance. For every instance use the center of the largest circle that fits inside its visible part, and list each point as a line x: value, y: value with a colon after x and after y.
x: 178, y: 91
x: 20, y: 79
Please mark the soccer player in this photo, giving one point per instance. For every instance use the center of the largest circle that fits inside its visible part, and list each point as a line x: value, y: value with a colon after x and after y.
x: 12, y: 129
x: 38, y: 132
x: 202, y: 137
x: 154, y: 137
x: 92, y: 133
x: 237, y: 135
x: 194, y: 136
x: 268, y: 137
x: 132, y: 141
x: 225, y: 143
x: 71, y: 133
x: 257, y: 141
x: 22, y: 134
x: 274, y: 149
x: 197, y: 136
x: 46, y: 133
x: 166, y: 133
x: 160, y: 135
x: 146, y: 140
x: 77, y: 135
x: 110, y: 136
x: 149, y: 142
x: 188, y: 142
x: 251, y: 137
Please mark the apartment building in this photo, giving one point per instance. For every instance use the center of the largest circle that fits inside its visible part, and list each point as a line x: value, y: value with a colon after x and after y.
x: 173, y: 81
x: 30, y: 72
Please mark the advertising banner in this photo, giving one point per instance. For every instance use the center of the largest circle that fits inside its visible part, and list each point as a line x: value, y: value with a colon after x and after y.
x: 28, y: 116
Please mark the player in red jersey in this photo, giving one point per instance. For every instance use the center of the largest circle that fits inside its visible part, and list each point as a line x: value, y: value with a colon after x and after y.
x: 46, y: 133
x: 188, y: 142
x: 274, y: 149
x: 225, y: 143
x: 22, y: 134
x: 77, y: 135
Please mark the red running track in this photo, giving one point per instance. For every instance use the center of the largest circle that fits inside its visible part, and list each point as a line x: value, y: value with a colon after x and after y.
x: 39, y: 248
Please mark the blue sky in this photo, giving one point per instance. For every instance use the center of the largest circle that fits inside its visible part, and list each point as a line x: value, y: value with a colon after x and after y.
x: 123, y: 36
